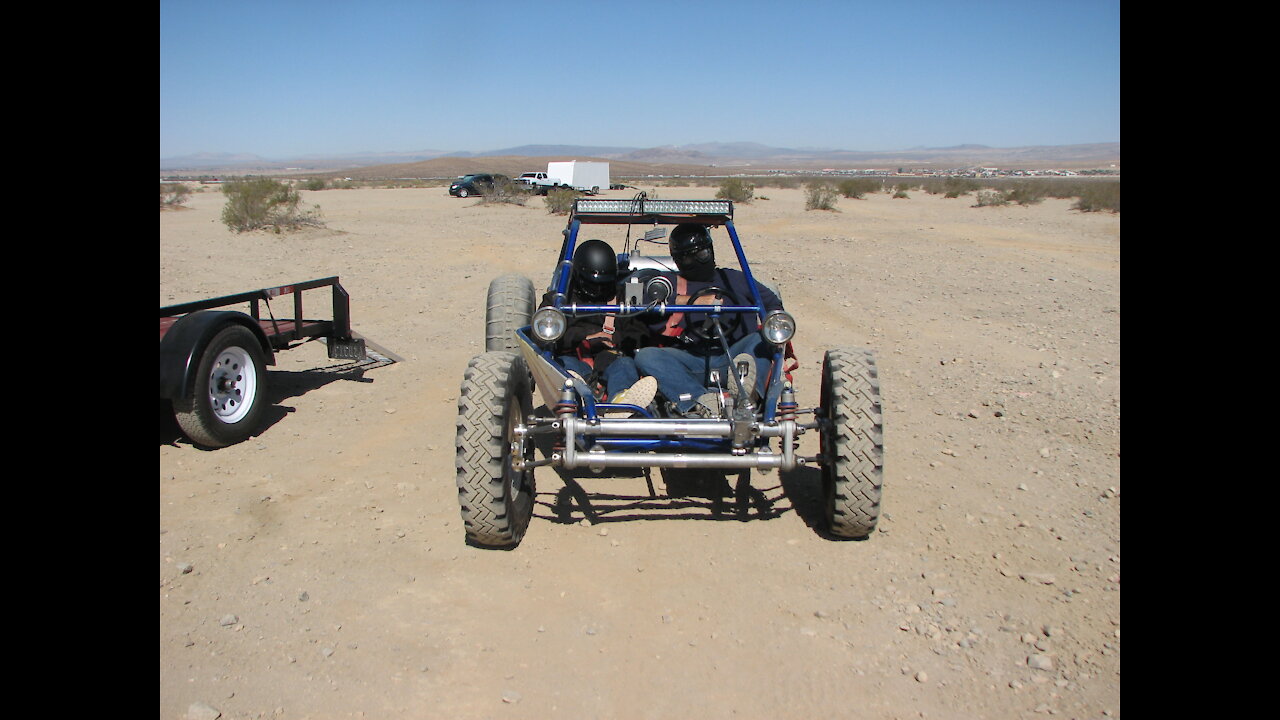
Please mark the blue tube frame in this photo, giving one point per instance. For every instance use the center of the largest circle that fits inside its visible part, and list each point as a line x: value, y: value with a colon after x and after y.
x: 591, y: 409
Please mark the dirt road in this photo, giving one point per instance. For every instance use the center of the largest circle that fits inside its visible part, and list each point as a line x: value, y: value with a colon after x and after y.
x: 318, y: 570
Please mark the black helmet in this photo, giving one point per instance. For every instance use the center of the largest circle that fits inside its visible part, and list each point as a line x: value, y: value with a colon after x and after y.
x: 687, y: 238
x: 691, y: 248
x: 595, y: 270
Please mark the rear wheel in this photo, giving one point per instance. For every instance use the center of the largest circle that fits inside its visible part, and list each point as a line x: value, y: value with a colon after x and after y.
x: 230, y: 390
x: 496, y: 499
x: 852, y: 441
x: 508, y: 307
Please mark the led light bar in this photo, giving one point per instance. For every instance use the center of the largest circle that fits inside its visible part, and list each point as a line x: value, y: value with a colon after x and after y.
x: 649, y: 207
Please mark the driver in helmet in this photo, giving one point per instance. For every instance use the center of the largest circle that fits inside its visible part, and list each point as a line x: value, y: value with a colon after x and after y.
x: 599, y: 348
x: 686, y: 352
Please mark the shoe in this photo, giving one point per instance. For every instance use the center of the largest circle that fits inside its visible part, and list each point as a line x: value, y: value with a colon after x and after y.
x: 640, y: 394
x: 747, y: 379
x: 707, y: 407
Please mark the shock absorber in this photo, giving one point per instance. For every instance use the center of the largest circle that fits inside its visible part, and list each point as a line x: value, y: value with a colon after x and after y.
x: 787, y: 402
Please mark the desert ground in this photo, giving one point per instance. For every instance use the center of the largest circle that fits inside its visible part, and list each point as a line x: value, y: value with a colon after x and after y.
x: 319, y: 569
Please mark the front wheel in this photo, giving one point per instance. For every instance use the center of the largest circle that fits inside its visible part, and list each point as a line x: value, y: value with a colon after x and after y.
x: 508, y: 307
x: 230, y: 390
x: 852, y: 441
x: 495, y: 498
x: 463, y: 192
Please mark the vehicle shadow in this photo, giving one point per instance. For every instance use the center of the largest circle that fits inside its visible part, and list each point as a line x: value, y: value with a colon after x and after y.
x: 678, y: 494
x: 281, y: 386
x: 685, y: 494
x: 804, y: 487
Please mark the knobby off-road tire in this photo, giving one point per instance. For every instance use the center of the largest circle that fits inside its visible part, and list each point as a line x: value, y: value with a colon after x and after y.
x: 496, y: 501
x: 230, y: 391
x: 852, y: 441
x: 509, y: 307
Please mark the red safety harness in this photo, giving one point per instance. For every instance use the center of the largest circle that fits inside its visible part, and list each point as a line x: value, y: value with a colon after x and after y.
x: 606, y: 332
x: 673, y: 329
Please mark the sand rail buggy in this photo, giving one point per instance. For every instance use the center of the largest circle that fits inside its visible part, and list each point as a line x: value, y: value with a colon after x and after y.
x: 497, y: 425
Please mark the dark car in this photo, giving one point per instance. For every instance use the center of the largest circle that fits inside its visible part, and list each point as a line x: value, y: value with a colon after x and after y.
x: 475, y: 184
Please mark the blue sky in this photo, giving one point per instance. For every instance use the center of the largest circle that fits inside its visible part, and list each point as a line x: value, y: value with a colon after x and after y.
x: 282, y: 79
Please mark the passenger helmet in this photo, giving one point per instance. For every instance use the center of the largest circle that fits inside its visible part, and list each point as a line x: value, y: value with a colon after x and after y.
x: 595, y: 271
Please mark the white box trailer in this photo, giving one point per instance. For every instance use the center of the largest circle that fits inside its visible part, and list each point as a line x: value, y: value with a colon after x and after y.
x: 589, y: 177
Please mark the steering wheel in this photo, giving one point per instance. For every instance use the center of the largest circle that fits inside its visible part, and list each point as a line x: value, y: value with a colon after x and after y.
x: 705, y: 331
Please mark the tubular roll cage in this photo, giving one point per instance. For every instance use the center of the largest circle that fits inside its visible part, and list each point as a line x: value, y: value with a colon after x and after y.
x: 595, y: 442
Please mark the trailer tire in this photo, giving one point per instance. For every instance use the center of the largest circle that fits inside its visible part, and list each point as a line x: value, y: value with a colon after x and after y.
x: 852, y: 441
x: 508, y: 307
x: 230, y: 392
x: 495, y: 499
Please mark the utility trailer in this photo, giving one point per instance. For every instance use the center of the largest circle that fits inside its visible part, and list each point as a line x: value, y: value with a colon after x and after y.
x: 587, y: 177
x: 212, y: 359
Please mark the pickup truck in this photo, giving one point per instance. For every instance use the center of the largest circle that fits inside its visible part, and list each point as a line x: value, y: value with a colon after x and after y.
x: 534, y: 178
x: 538, y: 182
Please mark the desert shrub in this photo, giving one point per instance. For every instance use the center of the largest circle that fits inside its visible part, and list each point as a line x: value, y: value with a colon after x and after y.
x: 560, y: 200
x: 257, y: 203
x: 1026, y: 192
x: 314, y: 184
x: 736, y: 190
x: 857, y: 187
x: 505, y: 191
x: 819, y: 196
x: 901, y: 192
x: 954, y: 187
x: 932, y: 185
x: 991, y: 198
x: 1098, y: 196
x: 173, y: 194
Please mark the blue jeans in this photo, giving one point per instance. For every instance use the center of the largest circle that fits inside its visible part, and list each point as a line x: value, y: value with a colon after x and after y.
x: 620, y: 375
x: 681, y: 373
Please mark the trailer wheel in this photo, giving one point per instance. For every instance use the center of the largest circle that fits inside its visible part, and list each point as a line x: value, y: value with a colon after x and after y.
x: 230, y: 391
x: 852, y: 441
x: 495, y: 498
x: 508, y: 307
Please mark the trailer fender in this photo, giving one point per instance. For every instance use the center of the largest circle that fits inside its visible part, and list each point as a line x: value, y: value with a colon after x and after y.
x: 182, y: 346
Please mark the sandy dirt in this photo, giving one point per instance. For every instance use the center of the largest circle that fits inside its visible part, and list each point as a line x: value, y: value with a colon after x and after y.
x: 319, y: 569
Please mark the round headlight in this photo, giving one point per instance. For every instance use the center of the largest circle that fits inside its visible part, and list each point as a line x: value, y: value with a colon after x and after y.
x: 548, y: 324
x: 779, y: 327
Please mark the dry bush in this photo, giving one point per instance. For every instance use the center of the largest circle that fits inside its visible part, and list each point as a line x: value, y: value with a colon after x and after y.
x: 1098, y: 196
x: 173, y: 194
x: 560, y: 200
x: 819, y: 196
x: 257, y: 203
x: 991, y: 198
x: 857, y: 187
x: 505, y: 191
x: 736, y: 190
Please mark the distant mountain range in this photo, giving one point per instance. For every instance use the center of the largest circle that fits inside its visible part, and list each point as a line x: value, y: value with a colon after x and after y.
x: 735, y: 156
